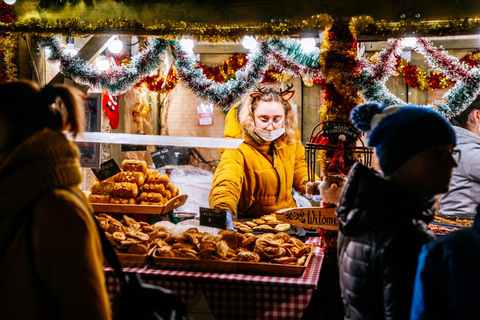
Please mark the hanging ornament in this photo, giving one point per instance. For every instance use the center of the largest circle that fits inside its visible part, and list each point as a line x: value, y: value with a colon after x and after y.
x: 110, y: 105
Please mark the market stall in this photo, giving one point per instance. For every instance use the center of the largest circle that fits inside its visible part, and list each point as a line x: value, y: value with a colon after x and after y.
x: 164, y: 94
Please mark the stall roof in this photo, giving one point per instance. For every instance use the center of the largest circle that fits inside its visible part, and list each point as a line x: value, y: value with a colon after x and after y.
x: 223, y: 21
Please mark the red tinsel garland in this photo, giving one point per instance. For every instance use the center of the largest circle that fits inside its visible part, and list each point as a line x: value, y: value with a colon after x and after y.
x: 6, y: 13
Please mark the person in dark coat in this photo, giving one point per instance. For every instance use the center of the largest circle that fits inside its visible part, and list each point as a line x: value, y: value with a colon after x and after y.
x: 447, y: 282
x: 383, y: 216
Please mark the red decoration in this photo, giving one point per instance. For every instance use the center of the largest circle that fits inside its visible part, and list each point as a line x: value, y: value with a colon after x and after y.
x: 110, y: 105
x: 337, y: 165
x: 6, y: 13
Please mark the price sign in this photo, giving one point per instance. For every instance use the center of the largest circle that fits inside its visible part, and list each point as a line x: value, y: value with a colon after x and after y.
x: 164, y: 157
x: 312, y: 218
x: 133, y: 147
x: 216, y: 218
x: 107, y: 169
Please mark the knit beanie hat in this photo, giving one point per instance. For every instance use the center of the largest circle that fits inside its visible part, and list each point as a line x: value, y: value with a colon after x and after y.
x: 400, y: 132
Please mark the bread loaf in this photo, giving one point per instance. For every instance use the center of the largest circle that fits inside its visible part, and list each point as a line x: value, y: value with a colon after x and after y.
x: 131, y: 176
x: 135, y: 165
x: 99, y: 198
x: 125, y: 189
x: 157, y: 188
x: 150, y: 197
x: 102, y: 187
x: 158, y: 179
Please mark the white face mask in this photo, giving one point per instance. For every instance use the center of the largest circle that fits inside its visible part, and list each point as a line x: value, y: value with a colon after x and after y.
x: 270, y: 135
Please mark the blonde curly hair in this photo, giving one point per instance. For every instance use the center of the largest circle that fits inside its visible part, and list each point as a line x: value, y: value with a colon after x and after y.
x: 269, y: 94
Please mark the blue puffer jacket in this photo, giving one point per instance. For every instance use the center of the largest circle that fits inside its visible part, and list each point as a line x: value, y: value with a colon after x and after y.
x: 382, y: 229
x: 447, y: 285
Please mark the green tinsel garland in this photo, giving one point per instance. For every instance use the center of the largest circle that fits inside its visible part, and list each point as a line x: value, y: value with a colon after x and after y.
x: 116, y: 80
x: 119, y: 79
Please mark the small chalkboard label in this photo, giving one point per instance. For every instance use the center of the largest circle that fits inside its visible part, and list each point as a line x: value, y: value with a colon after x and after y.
x: 107, y: 169
x: 216, y: 218
x: 163, y: 157
x: 133, y: 147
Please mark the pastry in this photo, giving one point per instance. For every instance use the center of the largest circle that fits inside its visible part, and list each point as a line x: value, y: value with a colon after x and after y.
x: 158, y: 178
x: 102, y: 187
x: 153, y: 187
x: 131, y: 176
x: 99, y: 198
x: 125, y: 189
x: 135, y: 165
x: 282, y: 227
x: 150, y: 197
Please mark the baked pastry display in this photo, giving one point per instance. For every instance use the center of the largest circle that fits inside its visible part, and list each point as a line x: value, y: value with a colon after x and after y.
x: 130, y: 236
x: 135, y: 184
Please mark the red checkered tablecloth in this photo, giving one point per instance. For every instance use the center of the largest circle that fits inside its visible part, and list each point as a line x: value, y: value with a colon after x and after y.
x: 234, y: 295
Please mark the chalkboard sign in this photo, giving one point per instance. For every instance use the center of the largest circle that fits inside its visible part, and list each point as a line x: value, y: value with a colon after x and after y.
x: 107, y: 169
x: 133, y: 147
x: 216, y: 218
x: 163, y: 157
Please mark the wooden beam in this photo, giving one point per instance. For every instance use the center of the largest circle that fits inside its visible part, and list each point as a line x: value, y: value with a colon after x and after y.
x: 90, y: 51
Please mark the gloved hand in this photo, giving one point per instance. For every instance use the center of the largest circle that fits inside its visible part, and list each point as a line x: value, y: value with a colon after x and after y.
x: 230, y: 221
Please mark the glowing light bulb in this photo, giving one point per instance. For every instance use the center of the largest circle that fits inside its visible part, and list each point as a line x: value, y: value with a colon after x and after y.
x: 70, y: 50
x: 409, y: 42
x: 308, y: 44
x: 187, y: 45
x: 249, y: 42
x: 102, y: 63
x: 115, y: 45
x: 10, y: 2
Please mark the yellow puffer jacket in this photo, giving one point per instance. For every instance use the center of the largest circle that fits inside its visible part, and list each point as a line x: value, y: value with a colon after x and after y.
x: 257, y: 179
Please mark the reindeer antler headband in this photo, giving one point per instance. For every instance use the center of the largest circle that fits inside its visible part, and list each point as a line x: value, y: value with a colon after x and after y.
x: 286, y: 95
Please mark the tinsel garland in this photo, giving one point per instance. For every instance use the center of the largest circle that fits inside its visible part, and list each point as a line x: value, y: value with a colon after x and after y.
x: 417, y: 77
x: 373, y: 77
x: 461, y: 95
x: 117, y: 79
x: 228, y: 69
x: 451, y: 66
x: 6, y: 13
x: 285, y: 54
x: 168, y: 29
x: 8, y: 47
x: 340, y: 68
x: 223, y: 95
x: 467, y: 87
x: 368, y: 27
x: 157, y: 84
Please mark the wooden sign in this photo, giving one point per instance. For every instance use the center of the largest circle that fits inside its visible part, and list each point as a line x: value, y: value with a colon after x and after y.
x: 311, y: 218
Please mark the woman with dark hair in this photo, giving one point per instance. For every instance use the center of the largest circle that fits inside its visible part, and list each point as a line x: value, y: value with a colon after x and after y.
x: 51, y: 260
x: 462, y: 197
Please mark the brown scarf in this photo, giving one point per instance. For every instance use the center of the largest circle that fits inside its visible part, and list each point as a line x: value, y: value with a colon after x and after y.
x: 43, y: 162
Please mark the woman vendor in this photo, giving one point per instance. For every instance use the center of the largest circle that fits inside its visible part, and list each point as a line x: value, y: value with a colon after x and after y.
x: 257, y: 178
